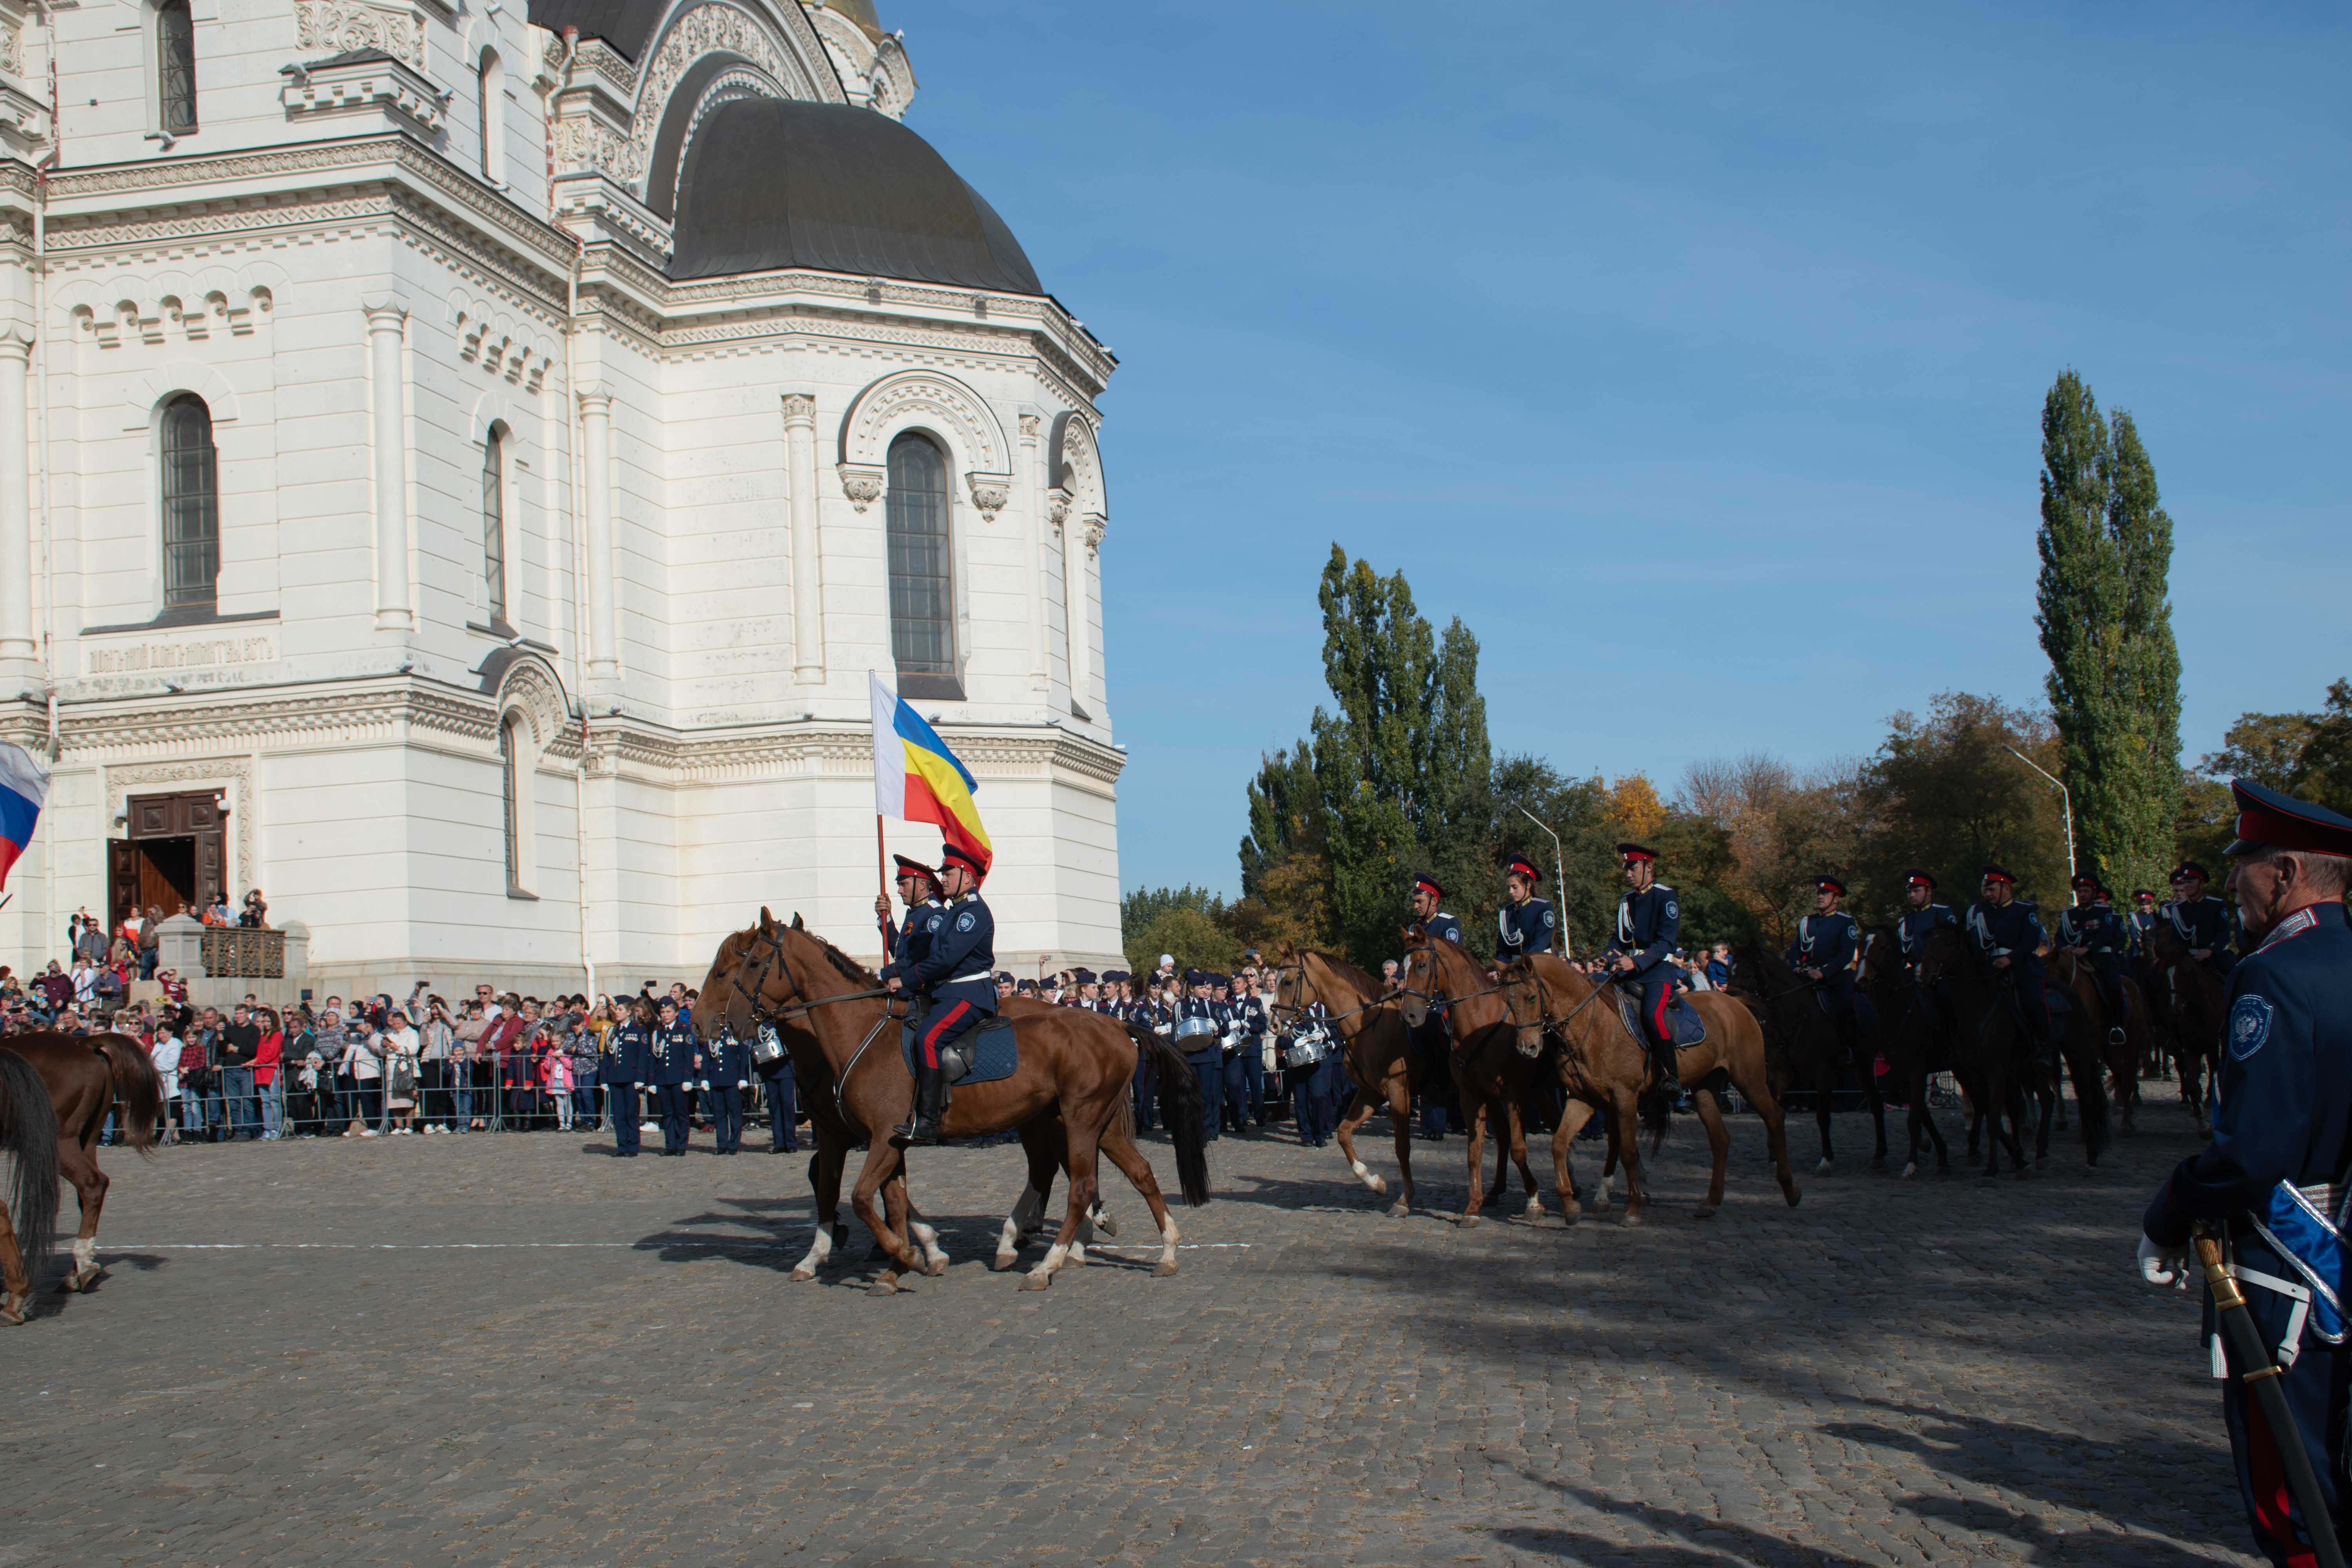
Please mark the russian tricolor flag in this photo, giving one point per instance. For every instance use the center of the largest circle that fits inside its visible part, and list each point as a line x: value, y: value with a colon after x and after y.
x: 23, y: 786
x: 917, y: 779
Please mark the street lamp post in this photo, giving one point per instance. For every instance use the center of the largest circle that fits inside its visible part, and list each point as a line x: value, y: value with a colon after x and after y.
x: 2065, y: 805
x: 1559, y: 873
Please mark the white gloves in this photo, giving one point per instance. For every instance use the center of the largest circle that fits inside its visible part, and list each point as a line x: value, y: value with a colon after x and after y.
x: 2160, y: 1265
x: 741, y: 1083
x: 703, y: 1084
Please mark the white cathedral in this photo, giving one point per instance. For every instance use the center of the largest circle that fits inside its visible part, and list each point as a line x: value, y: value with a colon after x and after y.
x: 459, y: 461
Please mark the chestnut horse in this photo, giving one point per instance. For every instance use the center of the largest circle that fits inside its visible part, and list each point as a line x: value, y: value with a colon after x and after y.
x: 1606, y: 1069
x: 88, y: 1076
x: 1379, y: 1054
x: 28, y: 1132
x: 1492, y: 1075
x: 833, y: 1013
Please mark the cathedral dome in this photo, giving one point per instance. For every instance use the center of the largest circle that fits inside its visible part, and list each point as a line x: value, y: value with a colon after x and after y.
x: 773, y: 183
x: 860, y: 12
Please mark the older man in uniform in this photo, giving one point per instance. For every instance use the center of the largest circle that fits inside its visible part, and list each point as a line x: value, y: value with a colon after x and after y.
x: 1649, y: 926
x: 1431, y: 1042
x: 956, y: 981
x: 2273, y: 1174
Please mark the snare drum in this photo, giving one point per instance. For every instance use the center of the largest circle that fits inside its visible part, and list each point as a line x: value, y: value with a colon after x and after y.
x: 1186, y: 1028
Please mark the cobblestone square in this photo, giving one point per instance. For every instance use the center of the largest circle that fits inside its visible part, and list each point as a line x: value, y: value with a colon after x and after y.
x: 515, y: 1349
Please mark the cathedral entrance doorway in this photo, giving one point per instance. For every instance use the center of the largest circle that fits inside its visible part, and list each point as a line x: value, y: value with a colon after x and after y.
x: 175, y: 854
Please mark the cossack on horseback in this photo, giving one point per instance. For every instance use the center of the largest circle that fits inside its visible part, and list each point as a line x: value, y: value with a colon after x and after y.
x: 1921, y: 916
x: 1827, y: 944
x: 2007, y: 935
x: 2095, y: 935
x: 1649, y: 927
x: 2199, y: 920
x: 1429, y: 1041
x: 952, y: 982
x: 1526, y: 923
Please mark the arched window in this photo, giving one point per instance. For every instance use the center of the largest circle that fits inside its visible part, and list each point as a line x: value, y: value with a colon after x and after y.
x: 191, y: 506
x: 175, y: 68
x: 922, y: 598
x: 510, y: 786
x: 494, y: 527
x: 491, y: 82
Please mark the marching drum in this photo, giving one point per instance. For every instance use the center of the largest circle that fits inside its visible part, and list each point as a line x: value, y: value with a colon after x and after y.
x: 1186, y: 1028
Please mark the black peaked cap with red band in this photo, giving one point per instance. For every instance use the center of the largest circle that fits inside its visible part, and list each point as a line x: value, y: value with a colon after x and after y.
x: 2267, y: 819
x: 1423, y: 881
x: 1829, y: 885
x: 1995, y: 874
x: 915, y: 868
x: 1632, y: 852
x: 1524, y: 866
x: 1915, y: 878
x: 973, y: 860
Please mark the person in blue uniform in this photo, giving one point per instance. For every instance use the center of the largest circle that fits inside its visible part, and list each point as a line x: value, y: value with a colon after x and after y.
x: 1526, y: 923
x: 1823, y: 953
x: 775, y: 1066
x: 620, y: 1068
x: 2280, y: 1147
x: 1154, y: 1010
x: 954, y: 981
x: 2095, y: 935
x: 2142, y: 925
x: 723, y: 1069
x: 918, y: 886
x: 1202, y: 1052
x: 2006, y: 933
x: 670, y: 1055
x: 2201, y: 920
x: 1922, y: 914
x: 1649, y: 926
x: 1431, y: 1042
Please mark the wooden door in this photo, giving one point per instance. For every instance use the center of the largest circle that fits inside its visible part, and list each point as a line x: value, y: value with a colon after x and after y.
x: 122, y: 882
x: 202, y: 820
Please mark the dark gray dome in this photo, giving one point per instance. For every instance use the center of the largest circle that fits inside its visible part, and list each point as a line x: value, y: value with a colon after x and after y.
x: 772, y: 182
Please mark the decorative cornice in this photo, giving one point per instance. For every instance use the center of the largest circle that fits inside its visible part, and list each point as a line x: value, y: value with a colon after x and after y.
x: 364, y: 86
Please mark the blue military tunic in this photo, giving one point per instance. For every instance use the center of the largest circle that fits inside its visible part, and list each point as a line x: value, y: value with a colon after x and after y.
x: 2204, y: 923
x: 2282, y: 1145
x: 670, y: 1054
x: 1526, y: 928
x: 1649, y: 926
x: 1824, y: 943
x: 2143, y: 934
x: 1446, y: 928
x: 955, y: 974
x: 624, y: 1057
x: 1911, y: 932
x: 2015, y: 932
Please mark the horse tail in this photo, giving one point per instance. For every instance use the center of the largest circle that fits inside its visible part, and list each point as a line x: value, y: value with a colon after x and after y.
x: 1179, y: 1092
x: 138, y: 1087
x: 29, y: 1132
x: 1657, y: 1117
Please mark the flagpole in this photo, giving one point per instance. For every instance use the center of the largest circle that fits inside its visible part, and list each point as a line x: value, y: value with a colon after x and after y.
x: 881, y: 860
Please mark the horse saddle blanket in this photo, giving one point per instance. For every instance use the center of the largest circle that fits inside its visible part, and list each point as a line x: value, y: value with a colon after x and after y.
x: 980, y: 1054
x: 1687, y: 1027
x: 2060, y: 1000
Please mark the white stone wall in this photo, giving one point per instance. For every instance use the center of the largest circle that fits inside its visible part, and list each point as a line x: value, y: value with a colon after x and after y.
x: 718, y: 760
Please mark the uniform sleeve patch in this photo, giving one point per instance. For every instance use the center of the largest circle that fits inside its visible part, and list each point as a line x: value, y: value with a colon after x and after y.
x: 965, y: 921
x: 2250, y: 1026
x: 1673, y: 913
x: 1546, y: 919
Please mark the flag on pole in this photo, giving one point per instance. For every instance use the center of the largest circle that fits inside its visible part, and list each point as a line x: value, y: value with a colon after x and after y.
x: 917, y: 779
x: 23, y: 786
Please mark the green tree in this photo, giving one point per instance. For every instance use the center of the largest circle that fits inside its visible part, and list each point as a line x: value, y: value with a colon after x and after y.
x: 1576, y: 809
x: 2307, y: 755
x: 1188, y: 922
x: 1403, y: 767
x: 2105, y: 620
x: 1943, y: 793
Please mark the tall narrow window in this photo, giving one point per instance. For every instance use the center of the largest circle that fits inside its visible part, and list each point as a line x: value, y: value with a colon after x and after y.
x: 922, y: 600
x: 510, y: 786
x: 492, y: 83
x: 494, y: 527
x: 191, y: 506
x: 175, y: 62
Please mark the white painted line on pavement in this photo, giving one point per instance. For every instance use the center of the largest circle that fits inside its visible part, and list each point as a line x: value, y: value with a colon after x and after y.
x: 746, y: 1243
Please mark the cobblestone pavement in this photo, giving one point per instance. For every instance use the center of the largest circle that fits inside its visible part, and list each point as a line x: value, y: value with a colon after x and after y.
x: 514, y: 1349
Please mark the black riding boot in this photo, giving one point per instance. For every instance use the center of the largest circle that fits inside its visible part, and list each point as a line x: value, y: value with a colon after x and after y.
x: 1669, y: 1084
x: 930, y: 1109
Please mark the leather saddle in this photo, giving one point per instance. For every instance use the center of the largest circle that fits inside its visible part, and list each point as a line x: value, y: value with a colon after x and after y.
x: 1688, y: 1028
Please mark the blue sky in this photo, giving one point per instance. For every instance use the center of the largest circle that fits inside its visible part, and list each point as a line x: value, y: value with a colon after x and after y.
x: 1693, y: 355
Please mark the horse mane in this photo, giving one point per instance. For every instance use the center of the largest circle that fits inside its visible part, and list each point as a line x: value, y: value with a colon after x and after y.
x: 850, y: 968
x: 1348, y: 973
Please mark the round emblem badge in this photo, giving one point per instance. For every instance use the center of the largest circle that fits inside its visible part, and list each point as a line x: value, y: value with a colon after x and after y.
x: 1673, y: 913
x: 2250, y: 1026
x: 964, y: 921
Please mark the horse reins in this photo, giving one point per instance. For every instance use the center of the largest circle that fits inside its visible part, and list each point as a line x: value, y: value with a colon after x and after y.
x: 763, y: 1014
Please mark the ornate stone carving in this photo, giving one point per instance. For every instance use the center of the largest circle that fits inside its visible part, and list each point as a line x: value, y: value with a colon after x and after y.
x: 1095, y: 529
x: 1029, y: 425
x: 234, y: 775
x: 862, y: 483
x: 704, y: 30
x: 923, y: 396
x: 1057, y: 506
x: 800, y: 409
x: 989, y: 493
x: 337, y: 27
x: 531, y: 690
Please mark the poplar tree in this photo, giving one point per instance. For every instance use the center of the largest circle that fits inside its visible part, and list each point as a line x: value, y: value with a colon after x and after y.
x: 2106, y: 619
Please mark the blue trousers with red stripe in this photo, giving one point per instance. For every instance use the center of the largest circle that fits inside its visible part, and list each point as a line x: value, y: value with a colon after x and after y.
x: 2319, y: 1390
x: 1655, y: 1028
x: 944, y: 1021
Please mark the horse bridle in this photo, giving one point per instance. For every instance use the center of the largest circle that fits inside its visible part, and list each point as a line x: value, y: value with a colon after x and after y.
x: 1431, y: 998
x: 1294, y: 1014
x: 763, y: 1014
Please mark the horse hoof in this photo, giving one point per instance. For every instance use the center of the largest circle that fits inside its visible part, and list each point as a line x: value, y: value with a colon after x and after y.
x: 1633, y: 1217
x: 1107, y: 1225
x: 1571, y: 1213
x: 1002, y: 1262
x: 83, y: 1280
x: 1535, y: 1208
x: 1379, y: 1186
x: 1467, y: 1221
x: 1702, y: 1212
x: 1792, y: 1195
x: 12, y: 1309
x: 1910, y: 1170
x: 1822, y: 1168
x: 802, y: 1276
x: 1037, y: 1281
x: 1164, y: 1269
x: 1398, y: 1209
x: 935, y: 1266
x: 885, y: 1286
